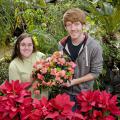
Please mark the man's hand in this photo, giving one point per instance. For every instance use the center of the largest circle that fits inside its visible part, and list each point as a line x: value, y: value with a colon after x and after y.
x: 67, y: 84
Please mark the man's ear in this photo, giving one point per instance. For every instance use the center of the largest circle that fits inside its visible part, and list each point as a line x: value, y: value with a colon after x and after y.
x: 84, y: 28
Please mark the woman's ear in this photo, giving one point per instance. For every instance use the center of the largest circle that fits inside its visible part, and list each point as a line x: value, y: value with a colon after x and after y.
x: 17, y: 46
x: 65, y: 28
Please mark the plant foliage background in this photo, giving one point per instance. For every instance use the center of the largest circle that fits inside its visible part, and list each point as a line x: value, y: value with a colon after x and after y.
x: 44, y: 21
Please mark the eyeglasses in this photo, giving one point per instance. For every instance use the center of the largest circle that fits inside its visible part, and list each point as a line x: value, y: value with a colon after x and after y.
x: 23, y: 45
x: 70, y: 24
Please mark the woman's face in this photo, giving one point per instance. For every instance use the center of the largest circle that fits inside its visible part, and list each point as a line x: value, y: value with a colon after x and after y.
x: 26, y: 47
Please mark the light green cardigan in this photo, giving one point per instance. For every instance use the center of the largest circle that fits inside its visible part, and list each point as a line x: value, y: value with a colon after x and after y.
x: 22, y: 70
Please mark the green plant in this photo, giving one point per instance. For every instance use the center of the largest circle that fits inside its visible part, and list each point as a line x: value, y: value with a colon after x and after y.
x: 6, y: 21
x: 4, y: 64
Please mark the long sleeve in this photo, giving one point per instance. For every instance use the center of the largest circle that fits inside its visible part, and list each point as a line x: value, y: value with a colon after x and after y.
x: 13, y: 73
x: 96, y: 61
x: 40, y: 55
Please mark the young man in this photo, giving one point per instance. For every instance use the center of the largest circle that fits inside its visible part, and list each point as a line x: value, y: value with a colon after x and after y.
x: 83, y: 50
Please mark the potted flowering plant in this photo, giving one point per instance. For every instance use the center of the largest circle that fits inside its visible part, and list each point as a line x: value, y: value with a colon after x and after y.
x: 51, y: 72
x: 98, y: 105
x: 16, y: 101
x: 58, y: 108
x: 16, y: 104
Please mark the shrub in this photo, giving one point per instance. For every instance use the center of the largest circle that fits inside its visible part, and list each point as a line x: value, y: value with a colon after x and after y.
x: 4, y: 64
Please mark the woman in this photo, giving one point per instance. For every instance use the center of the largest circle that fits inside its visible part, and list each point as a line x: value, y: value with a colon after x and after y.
x: 23, y: 58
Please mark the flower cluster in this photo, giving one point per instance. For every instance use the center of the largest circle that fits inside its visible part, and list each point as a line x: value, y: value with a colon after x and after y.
x: 16, y: 101
x: 98, y: 105
x: 52, y: 71
x: 16, y: 104
x: 58, y: 108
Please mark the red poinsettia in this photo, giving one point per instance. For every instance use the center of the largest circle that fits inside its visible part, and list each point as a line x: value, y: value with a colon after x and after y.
x: 16, y: 100
x: 41, y: 109
x: 58, y: 108
x: 98, y: 105
x: 62, y: 107
x: 16, y: 104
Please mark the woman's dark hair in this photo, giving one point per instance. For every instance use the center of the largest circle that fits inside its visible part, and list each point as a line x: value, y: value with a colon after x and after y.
x: 16, y: 50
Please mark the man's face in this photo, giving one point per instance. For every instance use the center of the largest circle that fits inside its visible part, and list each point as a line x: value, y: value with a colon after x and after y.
x: 74, y: 29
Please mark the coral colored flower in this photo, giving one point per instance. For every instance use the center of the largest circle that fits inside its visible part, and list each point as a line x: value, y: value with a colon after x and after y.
x: 73, y: 64
x: 40, y: 77
x: 37, y: 92
x: 62, y: 73
x: 57, y: 54
x: 35, y: 85
x: 61, y: 61
x: 43, y: 71
x: 52, y: 71
x: 57, y: 78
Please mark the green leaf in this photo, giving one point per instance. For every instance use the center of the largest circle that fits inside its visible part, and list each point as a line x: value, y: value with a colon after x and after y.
x: 58, y: 69
x: 42, y: 3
